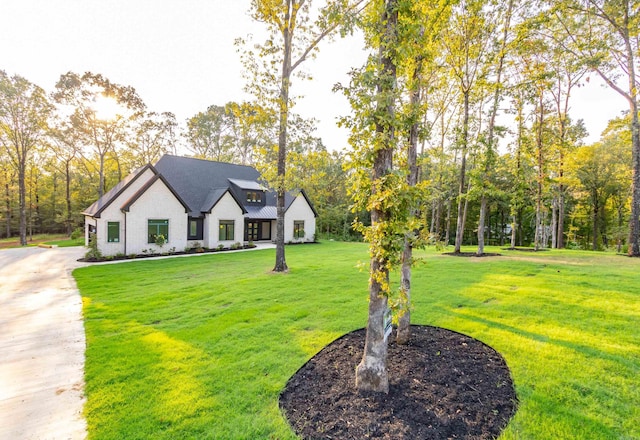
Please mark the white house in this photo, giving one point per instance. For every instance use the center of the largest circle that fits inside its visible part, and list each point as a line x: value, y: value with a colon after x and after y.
x: 193, y: 201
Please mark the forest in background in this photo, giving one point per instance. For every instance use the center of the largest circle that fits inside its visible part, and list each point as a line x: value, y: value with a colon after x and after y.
x: 496, y: 144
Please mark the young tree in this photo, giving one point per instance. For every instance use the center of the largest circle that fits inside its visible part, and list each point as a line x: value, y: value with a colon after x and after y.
x: 466, y: 47
x: 374, y: 186
x: 293, y: 37
x: 24, y: 113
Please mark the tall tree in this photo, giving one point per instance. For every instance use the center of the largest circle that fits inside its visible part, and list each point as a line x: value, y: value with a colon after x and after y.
x: 371, y: 372
x: 422, y: 25
x: 502, y: 47
x: 66, y: 148
x: 100, y: 110
x: 293, y: 38
x: 24, y: 113
x: 607, y: 42
x: 466, y: 47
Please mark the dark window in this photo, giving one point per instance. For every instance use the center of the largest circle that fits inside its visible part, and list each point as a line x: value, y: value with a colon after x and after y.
x: 298, y: 229
x: 252, y: 231
x: 254, y: 196
x: 195, y: 229
x: 156, y: 228
x: 113, y: 232
x: 226, y: 230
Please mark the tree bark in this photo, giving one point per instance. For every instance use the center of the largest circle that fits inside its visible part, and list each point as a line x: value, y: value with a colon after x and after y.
x: 371, y: 372
x: 461, y: 184
x: 281, y: 263
x: 404, y: 320
x: 22, y: 194
x: 481, y: 225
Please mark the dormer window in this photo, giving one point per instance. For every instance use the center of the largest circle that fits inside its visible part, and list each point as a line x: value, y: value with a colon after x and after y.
x: 254, y: 196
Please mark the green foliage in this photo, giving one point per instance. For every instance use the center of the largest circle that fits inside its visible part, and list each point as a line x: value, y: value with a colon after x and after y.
x: 94, y: 252
x: 160, y: 240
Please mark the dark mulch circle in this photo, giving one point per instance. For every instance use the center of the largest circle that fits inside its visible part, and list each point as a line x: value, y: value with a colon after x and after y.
x: 472, y: 254
x: 524, y: 249
x: 443, y: 385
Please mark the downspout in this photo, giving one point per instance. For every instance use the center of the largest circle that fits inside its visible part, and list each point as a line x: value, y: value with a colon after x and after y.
x: 125, y: 233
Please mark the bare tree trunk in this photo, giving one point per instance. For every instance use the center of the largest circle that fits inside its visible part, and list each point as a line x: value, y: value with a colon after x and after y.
x: 404, y: 318
x: 22, y: 192
x: 595, y: 211
x: 540, y: 176
x: 463, y: 164
x: 69, y: 220
x: 634, y: 220
x: 281, y: 263
x: 481, y: 224
x: 7, y: 201
x: 554, y: 222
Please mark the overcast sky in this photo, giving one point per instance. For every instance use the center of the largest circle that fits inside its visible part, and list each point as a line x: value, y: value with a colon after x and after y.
x: 179, y: 56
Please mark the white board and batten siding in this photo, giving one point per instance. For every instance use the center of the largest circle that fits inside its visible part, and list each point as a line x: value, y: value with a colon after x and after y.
x: 299, y: 210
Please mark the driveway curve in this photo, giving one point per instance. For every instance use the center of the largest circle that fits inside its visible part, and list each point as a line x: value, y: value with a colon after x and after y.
x: 42, y: 345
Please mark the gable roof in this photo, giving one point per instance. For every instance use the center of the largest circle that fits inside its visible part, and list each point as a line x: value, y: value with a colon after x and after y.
x: 197, y: 179
x: 214, y: 197
x: 97, y: 207
x: 146, y: 186
x: 199, y: 185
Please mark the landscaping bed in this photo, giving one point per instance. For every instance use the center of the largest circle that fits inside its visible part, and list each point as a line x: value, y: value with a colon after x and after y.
x: 441, y: 385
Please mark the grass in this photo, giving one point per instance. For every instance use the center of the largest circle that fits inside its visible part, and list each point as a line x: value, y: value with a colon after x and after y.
x: 200, y: 347
x: 67, y: 242
x: 36, y: 239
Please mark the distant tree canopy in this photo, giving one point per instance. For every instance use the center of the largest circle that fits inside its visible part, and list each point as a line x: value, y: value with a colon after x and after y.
x: 499, y: 159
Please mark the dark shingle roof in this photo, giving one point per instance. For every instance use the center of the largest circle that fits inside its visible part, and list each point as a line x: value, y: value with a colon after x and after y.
x: 199, y: 184
x: 103, y: 202
x: 195, y: 179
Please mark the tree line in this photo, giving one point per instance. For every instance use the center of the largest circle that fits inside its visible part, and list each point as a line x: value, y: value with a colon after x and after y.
x: 471, y: 64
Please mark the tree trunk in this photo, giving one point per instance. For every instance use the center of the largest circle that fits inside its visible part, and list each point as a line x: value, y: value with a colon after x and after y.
x: 634, y: 220
x: 481, y: 224
x: 554, y: 223
x: 69, y: 220
x: 540, y: 176
x: 281, y: 263
x: 371, y: 372
x: 404, y: 319
x: 22, y: 192
x: 7, y: 201
x: 595, y: 212
x: 463, y: 164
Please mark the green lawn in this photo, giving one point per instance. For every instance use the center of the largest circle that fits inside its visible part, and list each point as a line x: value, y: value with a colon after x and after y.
x: 200, y: 347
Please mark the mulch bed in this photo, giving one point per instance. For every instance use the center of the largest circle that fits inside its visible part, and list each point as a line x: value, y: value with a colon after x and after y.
x: 525, y: 249
x: 472, y: 254
x: 443, y: 385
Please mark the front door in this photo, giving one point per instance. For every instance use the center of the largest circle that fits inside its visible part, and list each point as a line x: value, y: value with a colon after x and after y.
x: 251, y: 231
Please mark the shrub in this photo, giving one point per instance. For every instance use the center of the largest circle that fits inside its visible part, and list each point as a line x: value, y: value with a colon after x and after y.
x: 93, y: 253
x: 160, y: 240
x: 77, y: 233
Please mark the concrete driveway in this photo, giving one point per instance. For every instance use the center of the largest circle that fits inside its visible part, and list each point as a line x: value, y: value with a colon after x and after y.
x: 42, y: 345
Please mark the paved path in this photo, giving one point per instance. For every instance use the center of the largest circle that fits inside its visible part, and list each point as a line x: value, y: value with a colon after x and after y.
x: 42, y: 345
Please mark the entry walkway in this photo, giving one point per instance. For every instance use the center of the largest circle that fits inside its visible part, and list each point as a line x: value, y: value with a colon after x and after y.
x: 42, y: 345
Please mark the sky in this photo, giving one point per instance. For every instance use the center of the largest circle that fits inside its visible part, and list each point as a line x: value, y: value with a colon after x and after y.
x: 180, y: 57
